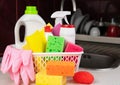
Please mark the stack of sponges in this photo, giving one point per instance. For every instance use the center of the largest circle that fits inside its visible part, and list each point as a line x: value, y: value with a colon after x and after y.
x: 56, y: 73
x: 54, y: 44
x: 57, y: 70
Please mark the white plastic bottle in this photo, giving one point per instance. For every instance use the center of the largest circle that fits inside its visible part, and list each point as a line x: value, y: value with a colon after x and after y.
x: 48, y: 32
x: 32, y: 22
x: 68, y: 32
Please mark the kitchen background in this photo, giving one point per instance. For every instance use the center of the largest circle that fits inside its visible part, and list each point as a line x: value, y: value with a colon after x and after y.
x: 11, y: 10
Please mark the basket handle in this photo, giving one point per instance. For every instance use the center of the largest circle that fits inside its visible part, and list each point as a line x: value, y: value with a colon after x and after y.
x: 73, y: 4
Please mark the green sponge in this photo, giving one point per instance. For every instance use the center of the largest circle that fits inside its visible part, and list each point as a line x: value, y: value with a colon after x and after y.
x: 55, y: 44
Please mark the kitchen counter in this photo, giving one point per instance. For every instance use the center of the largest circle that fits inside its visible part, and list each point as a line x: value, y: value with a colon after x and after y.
x: 102, y: 77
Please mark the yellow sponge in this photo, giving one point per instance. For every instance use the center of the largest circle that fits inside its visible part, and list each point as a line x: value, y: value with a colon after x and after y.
x: 37, y: 41
x: 44, y: 79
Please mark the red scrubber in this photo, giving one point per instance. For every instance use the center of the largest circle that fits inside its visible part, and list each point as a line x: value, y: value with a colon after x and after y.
x: 83, y: 77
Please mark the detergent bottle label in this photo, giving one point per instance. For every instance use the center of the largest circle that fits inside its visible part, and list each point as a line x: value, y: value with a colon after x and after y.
x: 68, y: 32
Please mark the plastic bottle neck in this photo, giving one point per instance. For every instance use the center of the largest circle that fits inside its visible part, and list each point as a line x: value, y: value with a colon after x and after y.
x: 31, y: 10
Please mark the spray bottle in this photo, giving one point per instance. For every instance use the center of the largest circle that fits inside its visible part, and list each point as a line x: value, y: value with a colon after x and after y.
x: 66, y: 30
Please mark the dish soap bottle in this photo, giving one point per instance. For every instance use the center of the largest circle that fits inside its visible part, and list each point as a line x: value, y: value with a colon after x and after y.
x: 31, y: 21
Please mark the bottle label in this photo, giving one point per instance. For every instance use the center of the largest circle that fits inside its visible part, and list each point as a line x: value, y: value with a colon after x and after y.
x: 68, y: 33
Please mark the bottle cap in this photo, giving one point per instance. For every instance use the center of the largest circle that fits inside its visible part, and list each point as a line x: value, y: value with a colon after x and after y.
x: 48, y: 29
x: 68, y: 26
x: 31, y: 10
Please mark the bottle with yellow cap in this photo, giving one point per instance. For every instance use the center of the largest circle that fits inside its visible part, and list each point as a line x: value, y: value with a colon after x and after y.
x: 31, y: 21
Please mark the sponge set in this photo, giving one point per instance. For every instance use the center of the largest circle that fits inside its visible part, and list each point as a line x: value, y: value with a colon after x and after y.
x: 57, y: 44
x: 56, y: 73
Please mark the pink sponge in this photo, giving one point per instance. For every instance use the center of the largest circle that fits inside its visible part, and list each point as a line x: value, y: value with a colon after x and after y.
x: 83, y: 77
x: 70, y: 47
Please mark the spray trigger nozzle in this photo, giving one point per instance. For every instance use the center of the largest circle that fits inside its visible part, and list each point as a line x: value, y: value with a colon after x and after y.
x: 59, y: 15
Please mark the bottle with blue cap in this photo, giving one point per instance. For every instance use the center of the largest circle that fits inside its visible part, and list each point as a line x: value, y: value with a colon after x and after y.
x: 31, y: 21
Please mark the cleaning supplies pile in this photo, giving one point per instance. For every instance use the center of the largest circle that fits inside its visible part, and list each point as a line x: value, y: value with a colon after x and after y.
x: 42, y: 38
x: 45, y: 41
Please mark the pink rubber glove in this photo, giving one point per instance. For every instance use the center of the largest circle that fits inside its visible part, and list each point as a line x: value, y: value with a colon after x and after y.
x: 6, y: 65
x: 11, y: 58
x: 15, y: 77
x: 28, y: 64
x: 24, y: 76
x: 30, y: 71
x: 11, y: 74
x: 16, y: 59
x: 26, y: 57
x: 18, y: 63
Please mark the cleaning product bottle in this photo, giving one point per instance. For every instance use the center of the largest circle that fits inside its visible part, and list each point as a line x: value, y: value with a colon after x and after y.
x: 66, y: 30
x: 48, y: 32
x: 31, y: 21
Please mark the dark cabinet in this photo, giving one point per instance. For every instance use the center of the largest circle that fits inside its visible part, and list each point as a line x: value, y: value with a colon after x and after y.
x: 11, y: 10
x: 7, y: 21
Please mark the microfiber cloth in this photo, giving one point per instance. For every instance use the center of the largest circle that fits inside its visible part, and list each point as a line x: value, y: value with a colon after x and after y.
x: 19, y: 64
